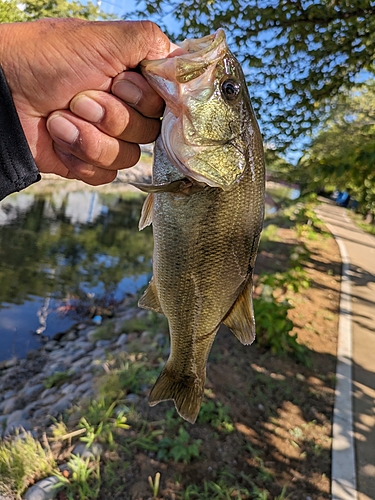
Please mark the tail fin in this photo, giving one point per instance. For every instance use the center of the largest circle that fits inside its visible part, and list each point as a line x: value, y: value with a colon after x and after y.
x: 186, y: 393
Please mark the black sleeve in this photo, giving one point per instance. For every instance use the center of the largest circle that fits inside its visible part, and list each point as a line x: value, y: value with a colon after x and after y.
x: 17, y: 166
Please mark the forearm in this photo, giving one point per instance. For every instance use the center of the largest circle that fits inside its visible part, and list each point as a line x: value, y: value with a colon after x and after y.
x: 17, y: 166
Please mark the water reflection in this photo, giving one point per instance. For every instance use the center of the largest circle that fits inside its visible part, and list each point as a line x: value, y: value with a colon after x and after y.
x: 65, y: 245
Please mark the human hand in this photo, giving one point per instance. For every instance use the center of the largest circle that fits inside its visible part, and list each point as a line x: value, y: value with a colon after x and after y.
x: 83, y: 112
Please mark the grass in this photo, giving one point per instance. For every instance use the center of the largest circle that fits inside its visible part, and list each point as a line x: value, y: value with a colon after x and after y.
x: 23, y: 460
x: 57, y: 379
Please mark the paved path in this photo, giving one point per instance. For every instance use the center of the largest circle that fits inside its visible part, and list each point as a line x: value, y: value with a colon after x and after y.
x: 360, y: 249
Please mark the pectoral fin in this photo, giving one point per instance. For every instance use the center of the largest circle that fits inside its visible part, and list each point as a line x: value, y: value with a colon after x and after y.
x: 150, y: 299
x: 146, y: 215
x: 240, y: 318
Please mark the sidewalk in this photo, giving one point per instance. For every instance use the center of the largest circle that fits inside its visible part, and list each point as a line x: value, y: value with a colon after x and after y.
x: 360, y: 249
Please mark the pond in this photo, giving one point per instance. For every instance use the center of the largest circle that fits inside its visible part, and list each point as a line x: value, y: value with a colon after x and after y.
x: 64, y: 252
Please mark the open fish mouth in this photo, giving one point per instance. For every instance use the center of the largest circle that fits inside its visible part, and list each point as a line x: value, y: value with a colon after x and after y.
x: 197, y: 55
x: 206, y: 96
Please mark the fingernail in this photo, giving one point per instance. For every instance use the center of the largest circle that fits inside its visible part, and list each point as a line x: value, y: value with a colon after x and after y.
x: 87, y: 108
x: 127, y: 91
x: 62, y: 129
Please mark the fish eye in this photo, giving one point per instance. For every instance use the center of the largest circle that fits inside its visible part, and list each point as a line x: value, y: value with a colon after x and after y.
x: 230, y: 89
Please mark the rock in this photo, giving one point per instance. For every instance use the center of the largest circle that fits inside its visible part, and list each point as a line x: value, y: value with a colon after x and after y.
x: 47, y: 392
x: 12, y: 404
x: 31, y: 392
x: 58, y: 336
x: 8, y: 363
x: 146, y: 336
x: 49, y: 400
x: 91, y: 336
x: 11, y: 428
x: 68, y: 389
x: 45, y: 489
x: 103, y: 343
x: 72, y: 335
x: 9, y: 394
x: 14, y: 417
x: 85, y: 386
x: 160, y: 339
x: 122, y: 340
x: 84, y: 345
x: 85, y: 361
x: 132, y: 399
x: 32, y: 354
x: 61, y: 406
x: 51, y: 345
x: 92, y: 451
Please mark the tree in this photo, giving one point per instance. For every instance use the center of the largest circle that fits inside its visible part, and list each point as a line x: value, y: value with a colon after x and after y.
x: 343, y: 153
x: 14, y: 11
x: 297, y: 54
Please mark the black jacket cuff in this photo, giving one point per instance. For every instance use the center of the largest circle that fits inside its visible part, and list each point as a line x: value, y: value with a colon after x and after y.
x: 17, y: 165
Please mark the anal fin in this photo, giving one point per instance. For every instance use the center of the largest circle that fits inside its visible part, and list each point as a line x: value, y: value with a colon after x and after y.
x: 240, y: 318
x: 150, y: 299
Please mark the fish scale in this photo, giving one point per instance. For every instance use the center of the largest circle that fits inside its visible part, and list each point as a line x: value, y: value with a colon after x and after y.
x: 205, y: 235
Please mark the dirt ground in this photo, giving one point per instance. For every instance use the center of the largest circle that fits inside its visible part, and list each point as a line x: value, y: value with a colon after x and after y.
x: 280, y: 410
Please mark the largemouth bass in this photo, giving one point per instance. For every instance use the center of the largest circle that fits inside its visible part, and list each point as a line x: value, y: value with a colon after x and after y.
x: 206, y: 204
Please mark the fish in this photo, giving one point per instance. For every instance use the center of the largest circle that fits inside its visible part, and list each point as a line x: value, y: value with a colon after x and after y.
x: 206, y: 206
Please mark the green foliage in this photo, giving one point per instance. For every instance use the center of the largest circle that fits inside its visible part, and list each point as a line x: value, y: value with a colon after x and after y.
x: 217, y: 415
x: 273, y: 329
x: 106, y: 331
x: 220, y: 490
x: 297, y: 54
x: 152, y: 322
x: 12, y: 11
x: 84, y: 481
x: 292, y: 280
x: 342, y: 155
x: 180, y: 448
x: 125, y: 375
x: 100, y: 421
x: 57, y: 379
x: 23, y: 461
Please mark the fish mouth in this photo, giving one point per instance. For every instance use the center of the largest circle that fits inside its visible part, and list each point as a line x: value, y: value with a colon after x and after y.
x: 198, y: 54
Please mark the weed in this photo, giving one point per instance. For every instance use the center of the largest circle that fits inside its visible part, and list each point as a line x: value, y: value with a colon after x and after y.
x: 273, y: 327
x: 105, y: 332
x: 179, y: 448
x: 282, y: 494
x: 100, y: 422
x: 125, y: 376
x: 211, y: 490
x: 152, y: 322
x: 23, y: 461
x: 84, y: 481
x: 57, y: 379
x: 154, y: 484
x: 268, y: 238
x: 217, y: 415
x: 292, y: 280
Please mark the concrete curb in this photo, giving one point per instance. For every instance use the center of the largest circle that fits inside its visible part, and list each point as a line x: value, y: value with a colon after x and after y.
x: 343, y: 481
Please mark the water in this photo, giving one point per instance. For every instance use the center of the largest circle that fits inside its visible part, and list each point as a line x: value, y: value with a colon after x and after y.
x: 62, y: 251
